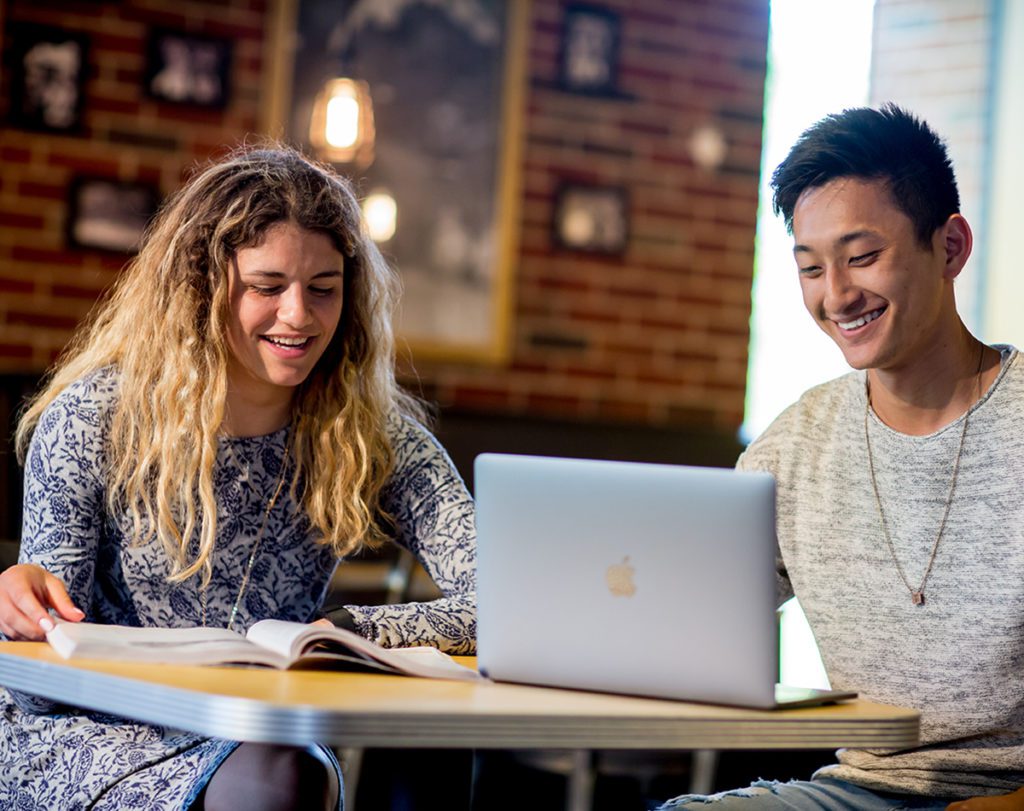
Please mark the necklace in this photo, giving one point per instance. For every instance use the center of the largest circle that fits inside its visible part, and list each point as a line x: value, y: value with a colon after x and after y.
x: 917, y: 595
x: 256, y: 543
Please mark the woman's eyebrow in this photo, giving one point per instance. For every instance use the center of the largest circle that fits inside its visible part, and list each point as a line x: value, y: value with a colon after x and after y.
x: 277, y: 274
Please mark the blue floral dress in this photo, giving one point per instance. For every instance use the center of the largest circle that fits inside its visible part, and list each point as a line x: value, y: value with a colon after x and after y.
x: 54, y: 757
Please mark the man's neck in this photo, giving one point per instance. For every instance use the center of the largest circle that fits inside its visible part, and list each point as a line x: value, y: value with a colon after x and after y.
x: 937, y: 389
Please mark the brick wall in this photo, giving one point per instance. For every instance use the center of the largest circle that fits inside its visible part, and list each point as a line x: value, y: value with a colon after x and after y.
x: 46, y: 287
x: 657, y: 336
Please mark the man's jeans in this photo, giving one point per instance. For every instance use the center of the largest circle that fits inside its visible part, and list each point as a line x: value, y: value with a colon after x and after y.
x: 823, y: 794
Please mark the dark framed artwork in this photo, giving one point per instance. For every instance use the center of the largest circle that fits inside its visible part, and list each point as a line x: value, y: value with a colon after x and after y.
x: 593, y: 219
x: 589, y: 54
x: 48, y: 69
x: 184, y: 68
x: 109, y: 215
x: 446, y: 84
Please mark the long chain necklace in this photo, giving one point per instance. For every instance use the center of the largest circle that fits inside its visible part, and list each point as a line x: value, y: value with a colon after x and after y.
x: 917, y: 595
x: 247, y: 574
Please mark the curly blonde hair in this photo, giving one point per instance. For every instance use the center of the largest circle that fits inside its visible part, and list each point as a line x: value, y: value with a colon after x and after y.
x: 163, y: 328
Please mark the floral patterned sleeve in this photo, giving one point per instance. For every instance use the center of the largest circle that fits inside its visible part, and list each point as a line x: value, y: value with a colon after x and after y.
x: 63, y: 504
x: 435, y: 520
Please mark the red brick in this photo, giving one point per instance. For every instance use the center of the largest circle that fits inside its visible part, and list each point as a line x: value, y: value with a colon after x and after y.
x: 41, y: 320
x: 113, y: 44
x: 85, y: 165
x: 590, y: 374
x: 15, y: 351
x: 477, y: 398
x: 47, y: 191
x: 45, y: 256
x: 15, y: 154
x: 644, y: 293
x: 554, y: 403
x: 576, y: 285
x: 590, y: 316
x: 623, y: 411
x: 16, y: 286
x: 76, y: 291
x: 108, y: 105
x: 14, y: 219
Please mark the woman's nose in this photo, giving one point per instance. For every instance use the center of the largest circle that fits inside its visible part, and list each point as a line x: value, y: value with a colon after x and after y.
x: 294, y: 309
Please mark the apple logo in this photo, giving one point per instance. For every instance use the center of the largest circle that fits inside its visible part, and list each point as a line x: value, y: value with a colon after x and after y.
x: 619, y: 577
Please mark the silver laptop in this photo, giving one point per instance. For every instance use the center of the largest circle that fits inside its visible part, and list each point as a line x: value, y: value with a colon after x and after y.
x: 654, y: 580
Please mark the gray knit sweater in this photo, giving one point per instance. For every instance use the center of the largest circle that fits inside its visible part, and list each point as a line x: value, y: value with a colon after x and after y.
x: 959, y: 658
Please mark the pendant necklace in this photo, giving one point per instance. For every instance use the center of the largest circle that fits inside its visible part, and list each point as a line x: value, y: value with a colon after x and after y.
x: 246, y: 575
x: 917, y: 595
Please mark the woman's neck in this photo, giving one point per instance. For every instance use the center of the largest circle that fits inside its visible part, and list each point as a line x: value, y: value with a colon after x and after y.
x: 254, y: 416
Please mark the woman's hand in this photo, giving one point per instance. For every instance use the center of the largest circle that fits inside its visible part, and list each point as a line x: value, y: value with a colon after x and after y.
x: 27, y: 593
x: 1001, y: 802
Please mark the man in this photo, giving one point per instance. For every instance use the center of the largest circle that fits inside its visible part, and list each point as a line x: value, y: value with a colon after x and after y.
x: 900, y: 518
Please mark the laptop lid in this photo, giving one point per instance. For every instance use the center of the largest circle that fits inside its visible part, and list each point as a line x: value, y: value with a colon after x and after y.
x: 627, y: 577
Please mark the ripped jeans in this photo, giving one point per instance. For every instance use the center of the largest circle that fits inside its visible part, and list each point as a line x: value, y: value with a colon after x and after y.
x: 823, y: 794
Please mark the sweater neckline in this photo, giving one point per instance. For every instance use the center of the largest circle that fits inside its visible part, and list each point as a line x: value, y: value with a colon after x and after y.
x: 1007, y: 357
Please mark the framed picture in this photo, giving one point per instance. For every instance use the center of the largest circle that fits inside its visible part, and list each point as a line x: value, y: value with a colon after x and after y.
x: 593, y: 219
x: 445, y: 82
x: 48, y: 68
x: 589, y: 60
x: 109, y: 215
x: 188, y: 69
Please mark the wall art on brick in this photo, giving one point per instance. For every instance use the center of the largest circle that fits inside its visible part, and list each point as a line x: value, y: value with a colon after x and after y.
x: 109, y: 215
x: 590, y: 50
x: 594, y: 219
x: 48, y: 68
x: 186, y: 69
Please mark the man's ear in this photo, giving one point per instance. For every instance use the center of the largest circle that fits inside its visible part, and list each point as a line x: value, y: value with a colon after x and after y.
x: 957, y: 241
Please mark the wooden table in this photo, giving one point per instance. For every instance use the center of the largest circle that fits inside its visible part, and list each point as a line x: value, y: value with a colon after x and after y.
x: 357, y: 710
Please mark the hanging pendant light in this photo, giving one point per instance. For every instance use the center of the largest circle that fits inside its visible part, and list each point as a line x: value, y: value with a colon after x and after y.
x: 341, y: 126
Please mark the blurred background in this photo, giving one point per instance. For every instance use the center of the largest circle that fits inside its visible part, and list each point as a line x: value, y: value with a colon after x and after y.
x: 574, y: 194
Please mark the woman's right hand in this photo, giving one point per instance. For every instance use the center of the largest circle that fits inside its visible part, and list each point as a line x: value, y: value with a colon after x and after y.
x: 27, y: 593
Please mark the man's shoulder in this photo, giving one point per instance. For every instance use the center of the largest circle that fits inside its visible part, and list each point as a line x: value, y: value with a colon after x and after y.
x: 821, y: 406
x: 812, y: 420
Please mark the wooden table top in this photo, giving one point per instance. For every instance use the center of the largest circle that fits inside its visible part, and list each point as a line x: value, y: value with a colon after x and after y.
x: 369, y: 710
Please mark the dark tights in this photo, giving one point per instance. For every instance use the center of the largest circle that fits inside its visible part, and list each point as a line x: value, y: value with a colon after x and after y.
x: 265, y: 777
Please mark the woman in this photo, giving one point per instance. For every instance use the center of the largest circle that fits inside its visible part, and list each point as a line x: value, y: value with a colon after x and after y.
x: 223, y: 431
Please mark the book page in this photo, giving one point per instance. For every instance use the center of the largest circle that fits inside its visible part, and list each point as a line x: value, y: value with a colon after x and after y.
x: 298, y: 640
x: 284, y: 638
x: 187, y: 646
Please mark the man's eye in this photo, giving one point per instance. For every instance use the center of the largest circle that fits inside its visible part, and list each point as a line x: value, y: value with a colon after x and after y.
x: 863, y: 258
x: 810, y: 270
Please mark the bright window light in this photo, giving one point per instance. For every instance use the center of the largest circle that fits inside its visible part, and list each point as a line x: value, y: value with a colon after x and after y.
x: 811, y: 72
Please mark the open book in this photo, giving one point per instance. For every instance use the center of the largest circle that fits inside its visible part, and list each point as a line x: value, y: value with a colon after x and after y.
x: 273, y: 643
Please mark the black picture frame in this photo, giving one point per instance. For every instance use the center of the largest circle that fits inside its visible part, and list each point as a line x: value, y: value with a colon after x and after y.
x: 591, y: 219
x: 48, y: 71
x: 110, y: 215
x: 589, y: 50
x: 188, y: 69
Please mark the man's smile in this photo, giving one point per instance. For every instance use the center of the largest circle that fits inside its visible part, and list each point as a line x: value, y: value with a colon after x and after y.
x: 861, y: 320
